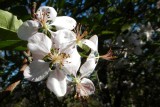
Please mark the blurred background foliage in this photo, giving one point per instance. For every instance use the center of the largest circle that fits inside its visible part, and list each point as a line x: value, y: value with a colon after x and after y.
x: 129, y: 27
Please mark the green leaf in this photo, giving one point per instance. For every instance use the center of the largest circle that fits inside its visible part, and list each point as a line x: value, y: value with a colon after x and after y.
x: 8, y: 26
x: 13, y: 45
x: 125, y: 27
x: 111, y: 9
x: 116, y: 20
x: 107, y: 32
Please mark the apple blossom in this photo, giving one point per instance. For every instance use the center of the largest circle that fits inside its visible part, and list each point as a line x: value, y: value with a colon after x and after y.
x: 84, y: 86
x: 46, y: 17
x: 52, y: 61
x: 68, y: 40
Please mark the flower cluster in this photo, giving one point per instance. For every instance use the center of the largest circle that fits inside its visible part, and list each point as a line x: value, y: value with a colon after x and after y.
x: 55, y: 54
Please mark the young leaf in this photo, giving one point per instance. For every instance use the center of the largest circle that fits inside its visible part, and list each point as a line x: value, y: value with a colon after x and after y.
x: 13, y: 45
x: 8, y: 26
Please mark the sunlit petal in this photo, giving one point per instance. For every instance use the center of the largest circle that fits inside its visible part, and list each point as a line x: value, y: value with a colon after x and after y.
x: 57, y: 83
x: 40, y: 44
x: 88, y: 67
x: 86, y: 87
x: 90, y: 44
x: 72, y: 64
x: 46, y: 13
x: 63, y: 39
x: 38, y: 56
x: 27, y: 29
x: 94, y: 39
x: 64, y: 22
x: 36, y: 71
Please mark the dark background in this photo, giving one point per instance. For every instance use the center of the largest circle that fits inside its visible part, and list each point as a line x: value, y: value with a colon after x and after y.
x: 131, y: 81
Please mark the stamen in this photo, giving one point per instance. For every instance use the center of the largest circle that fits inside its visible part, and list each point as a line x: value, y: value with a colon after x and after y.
x: 108, y: 56
x: 57, y: 58
x: 79, y: 33
x: 84, y: 34
x: 43, y: 17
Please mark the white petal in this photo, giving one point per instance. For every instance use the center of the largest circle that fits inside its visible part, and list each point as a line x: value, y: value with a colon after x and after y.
x: 27, y: 29
x: 36, y: 71
x: 86, y: 87
x: 64, y: 22
x: 94, y: 39
x: 40, y: 44
x: 46, y: 13
x: 57, y: 83
x: 88, y: 67
x: 37, y: 56
x: 64, y: 39
x: 90, y: 44
x: 72, y: 64
x: 64, y: 36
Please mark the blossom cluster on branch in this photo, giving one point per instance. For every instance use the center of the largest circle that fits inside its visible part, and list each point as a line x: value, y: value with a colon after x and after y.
x: 53, y: 45
x: 53, y: 41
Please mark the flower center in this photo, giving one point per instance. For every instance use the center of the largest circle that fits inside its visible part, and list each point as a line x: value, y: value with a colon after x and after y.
x: 55, y: 57
x: 77, y: 80
x: 81, y: 36
x: 79, y: 33
x: 80, y: 89
x: 43, y: 17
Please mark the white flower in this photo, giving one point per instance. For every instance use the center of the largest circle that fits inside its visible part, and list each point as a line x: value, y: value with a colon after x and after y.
x: 40, y: 46
x: 49, y: 59
x: 56, y: 83
x: 88, y: 67
x: 148, y: 31
x: 84, y: 86
x: 68, y: 40
x: 27, y: 29
x: 37, y: 70
x: 45, y: 18
x: 57, y: 80
x: 48, y: 15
